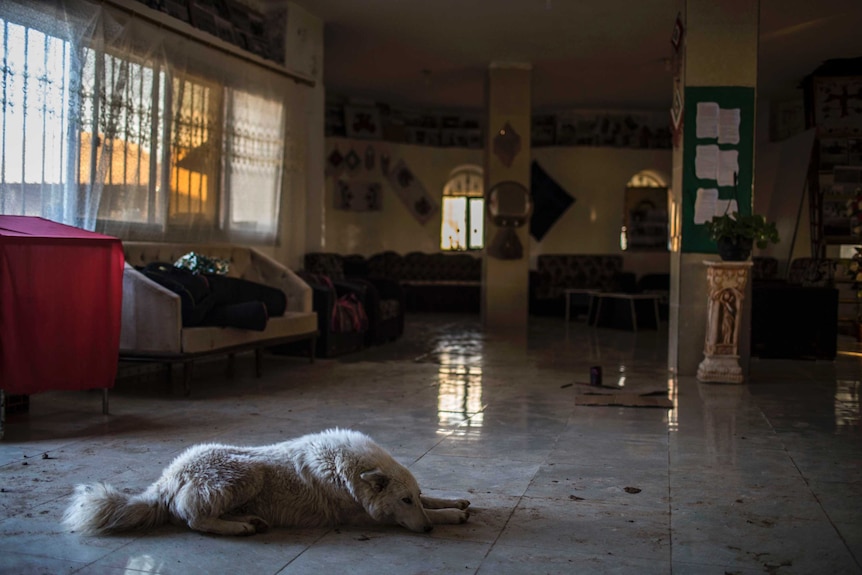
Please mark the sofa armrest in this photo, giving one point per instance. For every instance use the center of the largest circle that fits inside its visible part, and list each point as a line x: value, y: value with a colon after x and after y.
x: 272, y: 273
x: 152, y: 315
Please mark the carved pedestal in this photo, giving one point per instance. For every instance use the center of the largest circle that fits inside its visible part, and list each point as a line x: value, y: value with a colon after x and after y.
x: 726, y: 282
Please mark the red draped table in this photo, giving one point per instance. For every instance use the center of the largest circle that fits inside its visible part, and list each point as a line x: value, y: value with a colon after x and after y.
x: 61, y: 292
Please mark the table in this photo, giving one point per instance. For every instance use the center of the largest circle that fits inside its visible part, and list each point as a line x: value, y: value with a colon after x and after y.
x: 61, y: 292
x: 638, y: 304
x: 569, y: 292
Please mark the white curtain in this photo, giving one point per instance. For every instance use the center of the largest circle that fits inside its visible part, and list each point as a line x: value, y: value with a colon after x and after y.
x: 113, y: 124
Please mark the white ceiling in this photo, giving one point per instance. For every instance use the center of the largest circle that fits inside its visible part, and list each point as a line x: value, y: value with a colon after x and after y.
x: 584, y: 54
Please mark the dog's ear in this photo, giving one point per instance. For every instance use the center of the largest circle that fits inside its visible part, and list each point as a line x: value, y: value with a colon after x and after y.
x: 376, y: 478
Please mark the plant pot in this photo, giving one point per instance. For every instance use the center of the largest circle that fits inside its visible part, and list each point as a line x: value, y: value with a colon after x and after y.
x: 734, y: 249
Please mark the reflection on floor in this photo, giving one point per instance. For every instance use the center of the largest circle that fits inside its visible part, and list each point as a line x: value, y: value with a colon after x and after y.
x: 760, y: 478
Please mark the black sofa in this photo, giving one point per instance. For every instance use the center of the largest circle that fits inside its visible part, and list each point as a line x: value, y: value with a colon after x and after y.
x: 382, y: 298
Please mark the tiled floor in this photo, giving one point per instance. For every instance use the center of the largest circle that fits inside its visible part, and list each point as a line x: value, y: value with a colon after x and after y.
x: 760, y: 478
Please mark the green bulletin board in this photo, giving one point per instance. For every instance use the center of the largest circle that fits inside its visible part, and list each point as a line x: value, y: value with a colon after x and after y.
x: 704, y: 148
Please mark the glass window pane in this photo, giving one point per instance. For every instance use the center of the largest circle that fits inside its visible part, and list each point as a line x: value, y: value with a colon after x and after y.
x: 253, y: 159
x: 453, y: 233
x: 477, y: 223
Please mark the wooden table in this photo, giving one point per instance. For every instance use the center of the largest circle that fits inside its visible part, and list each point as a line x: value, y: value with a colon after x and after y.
x: 61, y: 292
x: 637, y: 303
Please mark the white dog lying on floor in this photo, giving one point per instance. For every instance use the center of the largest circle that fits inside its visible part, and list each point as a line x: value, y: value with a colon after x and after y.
x: 331, y: 478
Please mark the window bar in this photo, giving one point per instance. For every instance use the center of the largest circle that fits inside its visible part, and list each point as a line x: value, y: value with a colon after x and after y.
x: 94, y: 137
x: 109, y: 129
x: 75, y: 129
x: 61, y: 212
x: 26, y: 77
x: 191, y: 143
x: 128, y: 120
x: 167, y: 142
x: 226, y: 160
x: 139, y: 139
x: 175, y: 142
x: 5, y: 108
x: 152, y: 183
x: 46, y: 201
x: 203, y: 134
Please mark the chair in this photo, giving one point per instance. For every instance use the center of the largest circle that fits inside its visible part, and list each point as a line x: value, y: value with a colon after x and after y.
x: 382, y: 298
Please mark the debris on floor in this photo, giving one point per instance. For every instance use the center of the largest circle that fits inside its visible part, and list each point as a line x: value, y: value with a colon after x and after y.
x: 652, y: 399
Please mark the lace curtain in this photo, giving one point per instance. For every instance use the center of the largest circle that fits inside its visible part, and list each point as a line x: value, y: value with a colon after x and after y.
x: 115, y: 125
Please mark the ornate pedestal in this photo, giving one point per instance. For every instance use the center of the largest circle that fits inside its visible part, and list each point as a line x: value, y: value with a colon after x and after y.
x: 726, y: 282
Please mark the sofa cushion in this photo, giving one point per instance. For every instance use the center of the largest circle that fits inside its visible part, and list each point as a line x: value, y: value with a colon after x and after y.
x: 203, y: 339
x: 558, y: 272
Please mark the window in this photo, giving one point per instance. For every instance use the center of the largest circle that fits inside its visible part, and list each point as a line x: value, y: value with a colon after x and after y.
x: 463, y: 221
x: 645, y: 221
x: 35, y: 94
x: 126, y: 135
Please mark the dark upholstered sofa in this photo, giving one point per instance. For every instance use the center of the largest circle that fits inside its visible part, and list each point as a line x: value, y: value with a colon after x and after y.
x: 382, y: 298
x: 440, y: 282
x: 797, y: 316
x: 429, y: 281
x: 555, y: 273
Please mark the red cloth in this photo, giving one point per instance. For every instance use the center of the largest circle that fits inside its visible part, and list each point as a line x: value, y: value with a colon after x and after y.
x: 61, y: 292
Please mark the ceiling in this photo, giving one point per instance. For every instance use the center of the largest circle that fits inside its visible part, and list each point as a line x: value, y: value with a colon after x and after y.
x: 610, y: 54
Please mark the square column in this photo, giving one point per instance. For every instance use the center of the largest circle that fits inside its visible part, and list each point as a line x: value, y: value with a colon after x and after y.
x: 717, y: 57
x: 505, y: 282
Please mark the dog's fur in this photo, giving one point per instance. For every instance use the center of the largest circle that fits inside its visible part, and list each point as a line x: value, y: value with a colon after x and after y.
x: 331, y: 478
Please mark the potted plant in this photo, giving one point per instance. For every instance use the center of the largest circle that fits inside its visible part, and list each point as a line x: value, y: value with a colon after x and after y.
x: 736, y: 234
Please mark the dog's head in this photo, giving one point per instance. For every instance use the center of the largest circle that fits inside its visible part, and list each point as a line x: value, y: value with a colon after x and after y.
x: 393, y: 496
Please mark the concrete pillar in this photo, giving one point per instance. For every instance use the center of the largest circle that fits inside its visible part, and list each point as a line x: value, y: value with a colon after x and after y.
x: 505, y: 283
x: 718, y: 50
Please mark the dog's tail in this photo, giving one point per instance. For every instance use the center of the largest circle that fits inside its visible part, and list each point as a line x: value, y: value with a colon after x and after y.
x: 99, y: 508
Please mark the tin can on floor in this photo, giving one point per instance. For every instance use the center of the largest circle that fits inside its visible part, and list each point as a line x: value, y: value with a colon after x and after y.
x: 596, y: 375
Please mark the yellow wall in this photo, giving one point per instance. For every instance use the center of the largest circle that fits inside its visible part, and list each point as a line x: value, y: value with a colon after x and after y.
x: 596, y: 177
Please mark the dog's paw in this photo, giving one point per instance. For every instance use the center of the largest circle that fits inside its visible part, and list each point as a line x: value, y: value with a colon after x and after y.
x: 464, y: 516
x: 258, y: 524
x: 462, y: 503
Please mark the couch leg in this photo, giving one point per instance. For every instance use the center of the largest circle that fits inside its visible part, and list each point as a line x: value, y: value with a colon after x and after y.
x: 104, y: 401
x: 312, y: 348
x: 187, y: 378
x: 258, y: 361
x: 230, y: 365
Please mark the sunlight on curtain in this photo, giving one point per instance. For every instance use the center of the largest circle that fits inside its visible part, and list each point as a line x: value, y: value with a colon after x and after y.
x: 115, y: 125
x: 253, y: 153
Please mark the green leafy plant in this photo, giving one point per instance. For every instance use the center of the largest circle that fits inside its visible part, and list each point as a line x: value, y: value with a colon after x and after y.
x: 738, y: 229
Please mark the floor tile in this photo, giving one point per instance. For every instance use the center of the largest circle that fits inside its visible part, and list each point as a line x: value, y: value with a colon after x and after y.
x: 742, y: 479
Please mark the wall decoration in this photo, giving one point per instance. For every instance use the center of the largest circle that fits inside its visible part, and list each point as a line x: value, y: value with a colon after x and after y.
x: 177, y: 8
x: 358, y: 196
x: 677, y: 34
x: 550, y: 201
x: 369, y: 158
x: 412, y: 193
x: 335, y: 162
x: 623, y: 129
x: 543, y: 130
x: 507, y: 144
x: 352, y: 160
x: 509, y: 205
x: 362, y: 122
x: 676, y: 115
x: 618, y: 130
x: 646, y: 219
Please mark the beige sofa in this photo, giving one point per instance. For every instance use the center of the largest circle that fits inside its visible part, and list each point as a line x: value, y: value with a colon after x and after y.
x: 152, y: 327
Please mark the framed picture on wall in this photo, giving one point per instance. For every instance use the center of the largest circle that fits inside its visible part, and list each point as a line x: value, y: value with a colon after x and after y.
x: 362, y: 122
x: 645, y: 219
